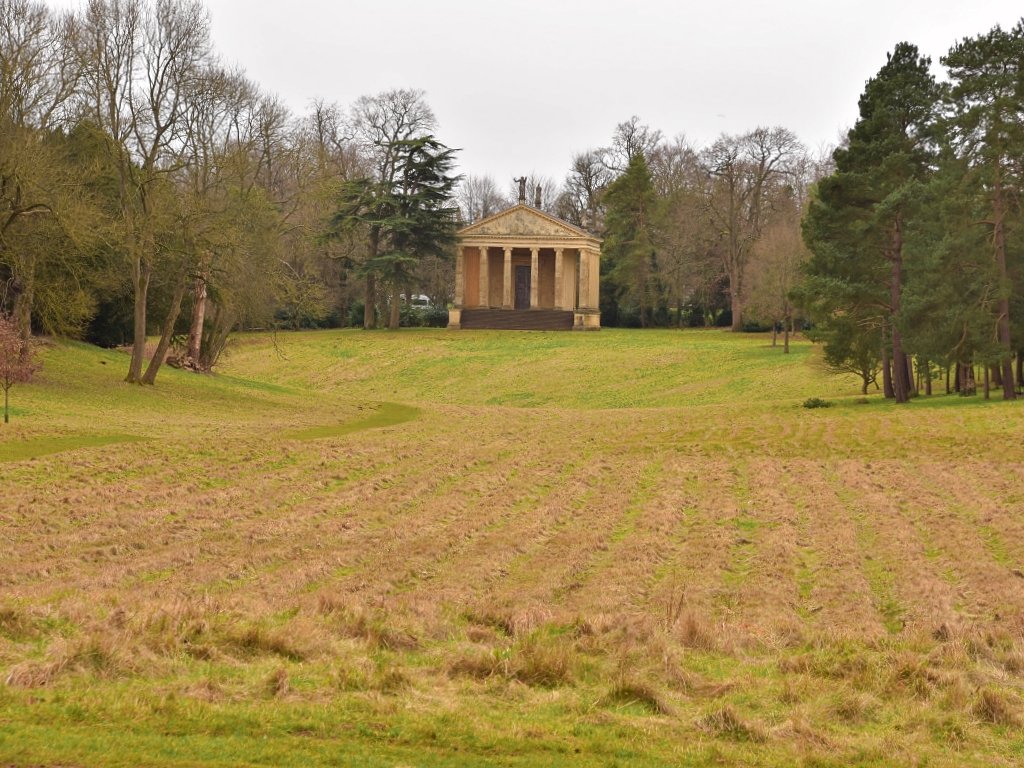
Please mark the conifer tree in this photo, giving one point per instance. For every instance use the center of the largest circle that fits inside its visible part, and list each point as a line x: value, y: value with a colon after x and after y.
x: 987, y: 133
x: 629, y: 271
x: 856, y: 224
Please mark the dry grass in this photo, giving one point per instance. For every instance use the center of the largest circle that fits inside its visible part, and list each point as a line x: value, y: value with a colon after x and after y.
x: 662, y: 530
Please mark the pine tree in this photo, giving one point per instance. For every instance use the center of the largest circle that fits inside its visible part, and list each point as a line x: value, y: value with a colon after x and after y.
x: 987, y: 132
x: 629, y: 270
x: 856, y: 224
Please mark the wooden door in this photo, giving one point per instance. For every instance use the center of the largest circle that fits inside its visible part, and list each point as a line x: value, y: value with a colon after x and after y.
x: 522, y: 288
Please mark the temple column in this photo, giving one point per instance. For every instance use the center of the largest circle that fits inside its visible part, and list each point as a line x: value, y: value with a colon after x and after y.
x: 534, y: 276
x: 558, y: 278
x: 506, y: 298
x: 460, y: 278
x: 583, y: 280
x: 595, y: 279
x: 484, y: 299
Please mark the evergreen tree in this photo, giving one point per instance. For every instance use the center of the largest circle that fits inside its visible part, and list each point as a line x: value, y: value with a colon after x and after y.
x: 629, y: 272
x: 987, y: 133
x: 407, y: 220
x: 856, y: 224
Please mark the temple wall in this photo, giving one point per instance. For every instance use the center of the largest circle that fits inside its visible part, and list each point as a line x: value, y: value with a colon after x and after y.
x: 471, y: 277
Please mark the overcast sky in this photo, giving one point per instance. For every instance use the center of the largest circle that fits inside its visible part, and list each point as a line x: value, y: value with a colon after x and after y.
x: 521, y: 85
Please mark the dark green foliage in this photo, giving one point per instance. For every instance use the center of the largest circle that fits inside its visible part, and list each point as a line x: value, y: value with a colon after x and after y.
x: 856, y: 225
x: 817, y: 402
x: 406, y: 218
x: 630, y: 289
x: 985, y: 132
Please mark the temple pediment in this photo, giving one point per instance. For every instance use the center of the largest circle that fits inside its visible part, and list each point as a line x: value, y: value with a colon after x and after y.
x: 524, y: 221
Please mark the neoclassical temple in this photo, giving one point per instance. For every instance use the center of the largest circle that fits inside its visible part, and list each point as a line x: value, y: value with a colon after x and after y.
x: 525, y: 269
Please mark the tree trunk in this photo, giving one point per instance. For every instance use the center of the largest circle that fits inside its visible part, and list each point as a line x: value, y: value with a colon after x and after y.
x: 997, y: 376
x: 737, y: 309
x: 1020, y: 367
x: 927, y: 374
x: 370, y: 301
x: 911, y: 379
x: 195, y: 331
x: 396, y: 299
x: 947, y: 379
x: 1003, y: 326
x: 165, y: 338
x: 141, y: 273
x: 24, y: 299
x: 886, y: 373
x: 369, y: 310
x: 986, y: 382
x: 7, y: 417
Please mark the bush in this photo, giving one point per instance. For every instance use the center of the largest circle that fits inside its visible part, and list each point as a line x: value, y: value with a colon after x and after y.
x: 817, y: 402
x: 423, y: 317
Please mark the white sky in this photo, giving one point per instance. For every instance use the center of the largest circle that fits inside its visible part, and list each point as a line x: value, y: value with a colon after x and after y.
x: 522, y: 85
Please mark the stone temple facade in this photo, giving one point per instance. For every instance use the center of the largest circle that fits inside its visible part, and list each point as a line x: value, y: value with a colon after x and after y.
x: 525, y: 269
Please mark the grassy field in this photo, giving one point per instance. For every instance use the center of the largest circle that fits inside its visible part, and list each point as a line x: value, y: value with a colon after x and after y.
x: 431, y: 548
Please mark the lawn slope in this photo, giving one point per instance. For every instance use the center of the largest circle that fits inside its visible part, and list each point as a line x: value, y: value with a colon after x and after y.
x: 433, y: 548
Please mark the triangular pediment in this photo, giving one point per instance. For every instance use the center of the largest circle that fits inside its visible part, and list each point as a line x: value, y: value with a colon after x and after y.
x: 524, y: 221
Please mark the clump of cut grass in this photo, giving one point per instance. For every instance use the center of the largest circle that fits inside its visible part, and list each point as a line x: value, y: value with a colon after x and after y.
x: 693, y: 632
x: 355, y: 622
x: 512, y: 623
x: 951, y: 731
x: 476, y: 662
x: 637, y: 693
x: 256, y: 640
x: 536, y: 660
x: 540, y: 660
x: 101, y: 655
x: 725, y: 722
x: 854, y: 708
x: 277, y: 685
x: 996, y: 707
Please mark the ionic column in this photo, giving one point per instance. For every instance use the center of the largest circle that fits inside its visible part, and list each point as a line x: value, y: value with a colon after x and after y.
x: 484, y: 299
x: 534, y: 276
x: 558, y: 278
x: 460, y: 278
x: 506, y: 299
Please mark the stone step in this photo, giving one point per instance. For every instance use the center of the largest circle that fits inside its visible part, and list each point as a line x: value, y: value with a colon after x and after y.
x: 518, y: 319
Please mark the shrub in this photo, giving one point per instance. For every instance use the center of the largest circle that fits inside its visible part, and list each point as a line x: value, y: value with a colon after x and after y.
x: 817, y: 402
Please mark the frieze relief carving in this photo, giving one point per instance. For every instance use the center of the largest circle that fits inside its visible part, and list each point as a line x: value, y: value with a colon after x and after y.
x: 520, y: 222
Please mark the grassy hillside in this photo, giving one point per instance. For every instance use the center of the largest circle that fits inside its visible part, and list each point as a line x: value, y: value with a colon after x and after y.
x: 429, y: 548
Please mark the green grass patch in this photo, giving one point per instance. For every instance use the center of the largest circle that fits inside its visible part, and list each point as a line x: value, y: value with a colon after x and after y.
x: 19, y: 450
x: 386, y: 415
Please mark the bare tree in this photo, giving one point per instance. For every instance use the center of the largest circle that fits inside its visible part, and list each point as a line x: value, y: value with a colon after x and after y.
x: 580, y: 201
x: 744, y: 174
x: 379, y: 125
x: 38, y: 78
x: 139, y: 62
x: 478, y: 197
x: 630, y: 138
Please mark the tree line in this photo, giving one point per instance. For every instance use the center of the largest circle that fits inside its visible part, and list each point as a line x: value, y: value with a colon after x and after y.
x: 692, y: 235
x: 148, y: 191
x: 915, y: 236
